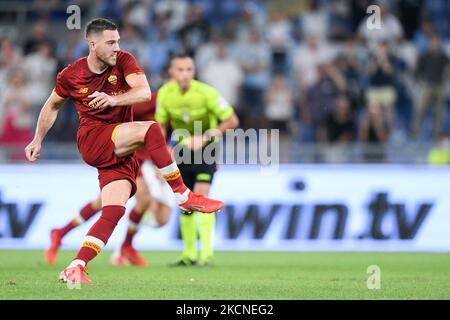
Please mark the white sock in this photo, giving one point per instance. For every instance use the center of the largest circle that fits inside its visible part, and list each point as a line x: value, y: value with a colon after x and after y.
x: 77, y: 262
x: 95, y: 241
x: 172, y: 169
x: 133, y: 226
x: 182, y: 197
x: 79, y: 219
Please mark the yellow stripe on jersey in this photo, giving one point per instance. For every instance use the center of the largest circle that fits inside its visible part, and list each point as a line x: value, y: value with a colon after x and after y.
x: 130, y: 74
x: 113, y: 135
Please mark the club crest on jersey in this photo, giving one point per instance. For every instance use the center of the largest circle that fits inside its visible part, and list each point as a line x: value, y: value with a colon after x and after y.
x: 112, y: 79
x: 83, y: 90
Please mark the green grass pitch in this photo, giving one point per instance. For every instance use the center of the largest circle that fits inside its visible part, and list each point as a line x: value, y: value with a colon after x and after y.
x: 235, y: 275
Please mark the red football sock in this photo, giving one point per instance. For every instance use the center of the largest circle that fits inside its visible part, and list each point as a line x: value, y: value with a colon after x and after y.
x: 85, y: 214
x: 135, y: 218
x: 87, y: 211
x: 98, y: 235
x: 163, y: 159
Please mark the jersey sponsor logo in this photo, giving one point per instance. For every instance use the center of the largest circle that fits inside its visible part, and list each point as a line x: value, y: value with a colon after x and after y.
x: 83, y: 90
x: 112, y: 79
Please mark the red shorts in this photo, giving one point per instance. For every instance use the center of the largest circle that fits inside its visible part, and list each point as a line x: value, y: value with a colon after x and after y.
x: 97, y: 150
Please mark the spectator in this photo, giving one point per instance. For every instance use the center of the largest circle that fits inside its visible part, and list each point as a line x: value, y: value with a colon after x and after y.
x: 306, y: 59
x: 225, y: 74
x: 252, y: 18
x: 41, y: 70
x: 278, y: 35
x: 337, y: 131
x: 195, y: 32
x: 254, y: 59
x: 159, y: 52
x: 389, y: 32
x: 279, y: 106
x: 18, y: 116
x: 423, y: 34
x: 350, y: 63
x: 315, y: 20
x: 176, y: 12
x: 10, y: 57
x: 373, y: 133
x: 438, y: 11
x: 131, y: 41
x: 381, y: 92
x: 38, y: 35
x: 321, y: 98
x: 340, y: 20
x: 136, y: 14
x: 430, y: 72
x: 208, y: 51
x: 339, y: 125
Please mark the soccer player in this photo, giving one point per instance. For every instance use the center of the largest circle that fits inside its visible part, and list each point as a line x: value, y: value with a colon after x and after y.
x: 181, y: 102
x: 103, y: 86
x: 157, y: 208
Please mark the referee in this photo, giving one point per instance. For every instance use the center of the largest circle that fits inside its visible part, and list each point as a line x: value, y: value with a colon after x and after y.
x: 184, y: 103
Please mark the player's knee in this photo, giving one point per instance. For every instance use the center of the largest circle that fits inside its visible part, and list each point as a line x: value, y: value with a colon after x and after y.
x: 142, y: 202
x: 162, y: 221
x: 97, y: 204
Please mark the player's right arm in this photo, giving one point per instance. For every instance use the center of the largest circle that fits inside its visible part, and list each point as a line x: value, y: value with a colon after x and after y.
x: 45, y: 121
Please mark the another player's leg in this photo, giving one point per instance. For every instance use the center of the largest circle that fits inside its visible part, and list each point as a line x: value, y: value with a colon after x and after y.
x: 114, y: 198
x: 131, y: 136
x: 127, y: 251
x: 157, y: 215
x: 162, y: 198
x: 57, y: 234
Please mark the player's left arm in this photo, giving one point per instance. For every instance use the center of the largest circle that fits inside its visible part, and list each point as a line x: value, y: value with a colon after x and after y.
x: 139, y: 92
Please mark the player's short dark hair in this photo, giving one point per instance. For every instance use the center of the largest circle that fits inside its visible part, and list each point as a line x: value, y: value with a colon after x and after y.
x: 99, y: 25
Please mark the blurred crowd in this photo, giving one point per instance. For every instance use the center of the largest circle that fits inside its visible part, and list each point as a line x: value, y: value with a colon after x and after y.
x: 311, y: 68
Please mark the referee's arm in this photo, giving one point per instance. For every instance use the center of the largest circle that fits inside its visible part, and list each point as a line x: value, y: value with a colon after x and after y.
x: 231, y: 122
